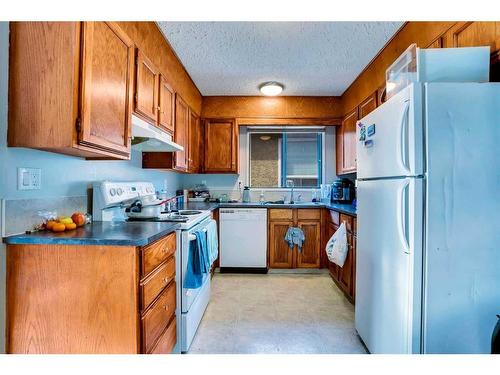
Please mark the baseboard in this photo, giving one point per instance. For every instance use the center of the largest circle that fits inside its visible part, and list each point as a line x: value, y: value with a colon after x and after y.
x: 260, y: 270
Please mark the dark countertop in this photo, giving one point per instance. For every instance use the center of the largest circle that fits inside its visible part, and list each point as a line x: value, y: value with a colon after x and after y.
x: 143, y: 233
x: 343, y: 208
x: 100, y: 233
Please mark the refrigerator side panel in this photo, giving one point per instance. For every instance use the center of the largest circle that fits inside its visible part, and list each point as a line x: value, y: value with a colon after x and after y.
x: 462, y: 244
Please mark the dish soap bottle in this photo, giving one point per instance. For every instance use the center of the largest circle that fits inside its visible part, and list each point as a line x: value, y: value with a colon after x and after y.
x: 246, y: 195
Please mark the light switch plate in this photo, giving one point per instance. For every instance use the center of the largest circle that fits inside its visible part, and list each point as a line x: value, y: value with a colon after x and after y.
x: 29, y: 178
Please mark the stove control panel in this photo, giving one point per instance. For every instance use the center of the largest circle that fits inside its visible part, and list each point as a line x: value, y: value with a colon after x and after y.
x: 113, y: 193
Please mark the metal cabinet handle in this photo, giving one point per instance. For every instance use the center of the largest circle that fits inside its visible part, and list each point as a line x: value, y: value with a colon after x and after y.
x: 166, y: 307
x: 166, y: 280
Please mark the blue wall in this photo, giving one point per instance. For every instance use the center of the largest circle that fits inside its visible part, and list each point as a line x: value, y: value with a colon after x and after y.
x: 61, y: 175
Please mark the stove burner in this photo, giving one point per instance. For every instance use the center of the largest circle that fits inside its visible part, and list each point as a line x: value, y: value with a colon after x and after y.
x: 189, y: 212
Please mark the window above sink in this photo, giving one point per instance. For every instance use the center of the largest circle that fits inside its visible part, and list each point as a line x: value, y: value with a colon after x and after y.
x: 276, y: 155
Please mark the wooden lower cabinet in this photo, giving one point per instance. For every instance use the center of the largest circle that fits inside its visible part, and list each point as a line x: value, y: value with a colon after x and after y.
x: 309, y: 256
x: 91, y: 299
x: 345, y: 276
x: 280, y: 254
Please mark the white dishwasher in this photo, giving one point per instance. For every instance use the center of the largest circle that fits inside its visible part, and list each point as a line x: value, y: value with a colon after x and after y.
x: 243, y: 240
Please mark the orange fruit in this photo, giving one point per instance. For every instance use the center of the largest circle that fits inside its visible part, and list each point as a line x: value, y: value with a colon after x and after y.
x: 58, y: 227
x: 50, y: 224
x: 70, y: 226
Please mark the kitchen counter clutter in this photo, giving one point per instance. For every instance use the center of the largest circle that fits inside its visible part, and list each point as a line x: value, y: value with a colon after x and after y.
x: 100, y: 233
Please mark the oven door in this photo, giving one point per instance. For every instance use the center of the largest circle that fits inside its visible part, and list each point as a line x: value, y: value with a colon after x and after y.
x: 188, y: 296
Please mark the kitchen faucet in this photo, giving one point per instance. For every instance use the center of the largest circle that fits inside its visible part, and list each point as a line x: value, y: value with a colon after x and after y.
x: 289, y: 183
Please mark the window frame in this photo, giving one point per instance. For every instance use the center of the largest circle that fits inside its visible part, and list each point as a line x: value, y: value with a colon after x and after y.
x: 321, y: 131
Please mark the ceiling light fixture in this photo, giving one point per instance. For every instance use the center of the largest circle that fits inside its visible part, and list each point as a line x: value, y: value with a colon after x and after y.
x: 271, y: 88
x: 265, y: 137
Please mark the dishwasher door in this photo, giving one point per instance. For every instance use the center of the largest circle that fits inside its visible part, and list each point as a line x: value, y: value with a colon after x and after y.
x: 243, y: 239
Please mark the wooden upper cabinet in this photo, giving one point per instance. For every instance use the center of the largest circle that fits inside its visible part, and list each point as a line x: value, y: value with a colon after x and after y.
x: 309, y: 256
x: 146, y: 89
x: 71, y: 88
x: 106, y: 103
x: 195, y: 143
x: 368, y: 105
x: 346, y: 143
x: 221, y: 146
x: 166, y: 105
x: 181, y: 136
x: 471, y: 34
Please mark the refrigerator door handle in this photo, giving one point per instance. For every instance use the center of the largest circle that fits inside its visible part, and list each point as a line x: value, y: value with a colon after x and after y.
x: 403, y: 137
x: 403, y: 215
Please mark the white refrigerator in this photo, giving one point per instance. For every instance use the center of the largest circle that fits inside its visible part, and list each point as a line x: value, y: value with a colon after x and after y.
x: 428, y: 245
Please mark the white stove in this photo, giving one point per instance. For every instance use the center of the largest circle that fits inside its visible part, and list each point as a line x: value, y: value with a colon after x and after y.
x: 185, y: 218
x: 110, y: 200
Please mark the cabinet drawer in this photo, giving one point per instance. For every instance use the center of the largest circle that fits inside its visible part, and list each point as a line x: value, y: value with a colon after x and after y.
x: 157, y: 252
x: 280, y: 214
x: 157, y: 317
x: 308, y: 214
x: 167, y: 340
x: 347, y: 220
x: 334, y: 217
x: 154, y: 283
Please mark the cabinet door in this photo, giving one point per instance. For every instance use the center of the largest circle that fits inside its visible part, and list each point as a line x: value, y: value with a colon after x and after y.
x: 220, y: 146
x: 166, y: 106
x: 280, y: 254
x: 346, y: 271
x: 309, y: 257
x: 146, y: 89
x: 181, y: 132
x: 471, y: 34
x: 332, y: 267
x: 346, y: 144
x: 368, y: 105
x: 107, y: 84
x: 195, y: 144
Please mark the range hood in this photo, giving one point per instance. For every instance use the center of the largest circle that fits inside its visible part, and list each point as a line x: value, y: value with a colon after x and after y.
x: 148, y: 138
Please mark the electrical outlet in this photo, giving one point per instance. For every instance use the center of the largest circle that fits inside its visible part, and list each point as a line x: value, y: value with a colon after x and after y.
x: 29, y: 178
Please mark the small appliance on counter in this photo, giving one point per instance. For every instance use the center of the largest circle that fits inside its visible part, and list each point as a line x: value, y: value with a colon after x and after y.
x: 342, y: 191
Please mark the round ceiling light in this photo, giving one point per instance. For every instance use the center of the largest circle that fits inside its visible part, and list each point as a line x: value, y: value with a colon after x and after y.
x: 271, y: 88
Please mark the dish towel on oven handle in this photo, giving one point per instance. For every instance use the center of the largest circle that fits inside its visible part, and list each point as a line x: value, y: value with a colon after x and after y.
x: 212, y: 241
x: 336, y: 248
x: 198, y: 264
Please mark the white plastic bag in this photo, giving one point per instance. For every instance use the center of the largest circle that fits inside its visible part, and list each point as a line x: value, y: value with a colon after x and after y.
x: 336, y: 248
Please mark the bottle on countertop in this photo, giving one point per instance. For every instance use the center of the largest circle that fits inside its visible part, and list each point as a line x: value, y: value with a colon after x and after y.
x: 246, y: 195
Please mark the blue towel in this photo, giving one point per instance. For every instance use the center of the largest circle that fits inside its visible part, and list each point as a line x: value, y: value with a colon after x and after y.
x: 198, y: 264
x: 295, y: 236
x: 212, y: 241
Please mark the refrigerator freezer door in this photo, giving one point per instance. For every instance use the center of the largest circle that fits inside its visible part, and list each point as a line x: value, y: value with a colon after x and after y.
x: 389, y: 248
x: 462, y: 260
x: 389, y: 139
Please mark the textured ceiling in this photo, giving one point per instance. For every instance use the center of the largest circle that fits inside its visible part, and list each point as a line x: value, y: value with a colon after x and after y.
x: 309, y: 58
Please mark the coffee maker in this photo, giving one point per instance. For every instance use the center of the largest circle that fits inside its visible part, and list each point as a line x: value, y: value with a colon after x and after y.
x: 342, y: 191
